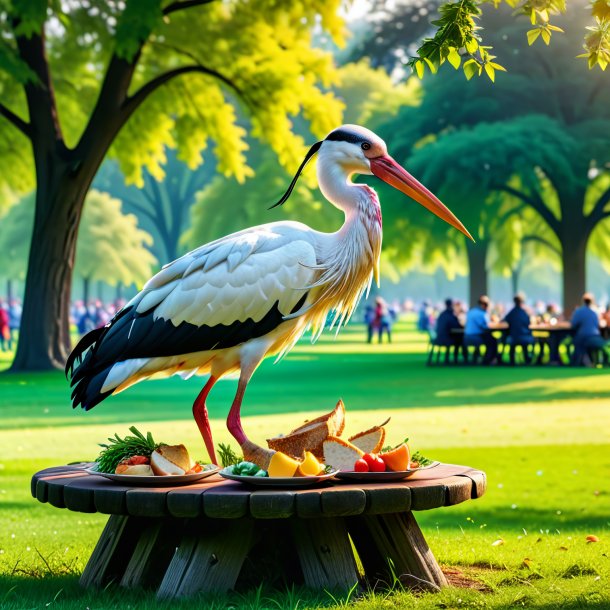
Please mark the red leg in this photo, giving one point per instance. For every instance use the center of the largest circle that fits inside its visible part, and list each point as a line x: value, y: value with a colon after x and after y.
x: 234, y: 419
x: 200, y: 413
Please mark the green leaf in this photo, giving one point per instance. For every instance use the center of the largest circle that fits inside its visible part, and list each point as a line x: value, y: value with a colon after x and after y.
x: 419, y: 68
x: 554, y: 28
x: 454, y: 58
x: 490, y: 72
x: 546, y: 35
x: 431, y: 65
x: 532, y: 35
x: 496, y: 66
x: 471, y: 67
x: 472, y: 45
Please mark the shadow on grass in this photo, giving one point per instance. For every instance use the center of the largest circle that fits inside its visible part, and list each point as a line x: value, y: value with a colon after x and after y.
x: 506, y: 519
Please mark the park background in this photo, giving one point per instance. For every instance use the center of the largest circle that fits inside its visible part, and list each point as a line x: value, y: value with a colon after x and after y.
x: 524, y: 161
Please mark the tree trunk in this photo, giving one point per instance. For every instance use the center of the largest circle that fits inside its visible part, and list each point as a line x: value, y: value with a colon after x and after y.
x: 44, y: 342
x: 100, y: 290
x: 574, y: 258
x: 86, y: 290
x: 477, y: 266
x: 9, y: 291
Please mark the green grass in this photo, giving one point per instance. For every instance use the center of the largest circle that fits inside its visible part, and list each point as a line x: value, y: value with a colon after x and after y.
x: 541, y: 434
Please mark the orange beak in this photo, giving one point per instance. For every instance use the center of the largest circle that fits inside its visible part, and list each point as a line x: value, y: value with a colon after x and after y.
x: 386, y: 169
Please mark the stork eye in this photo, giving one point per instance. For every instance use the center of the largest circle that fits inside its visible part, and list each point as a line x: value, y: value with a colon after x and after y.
x: 365, y: 145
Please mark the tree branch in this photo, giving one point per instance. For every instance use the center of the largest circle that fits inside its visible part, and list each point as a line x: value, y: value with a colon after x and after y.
x: 543, y: 241
x: 535, y: 202
x: 179, y: 6
x: 18, y: 122
x: 597, y: 213
x: 133, y: 101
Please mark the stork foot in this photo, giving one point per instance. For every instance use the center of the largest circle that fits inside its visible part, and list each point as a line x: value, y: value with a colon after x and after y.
x: 257, y: 454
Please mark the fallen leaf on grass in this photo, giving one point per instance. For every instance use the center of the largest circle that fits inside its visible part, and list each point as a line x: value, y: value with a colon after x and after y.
x: 563, y: 548
x: 497, y: 542
x: 592, y: 538
x: 527, y: 563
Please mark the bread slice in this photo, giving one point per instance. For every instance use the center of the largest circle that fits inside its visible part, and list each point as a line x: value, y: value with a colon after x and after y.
x: 311, y: 435
x: 370, y: 441
x: 340, y: 454
x: 170, y: 459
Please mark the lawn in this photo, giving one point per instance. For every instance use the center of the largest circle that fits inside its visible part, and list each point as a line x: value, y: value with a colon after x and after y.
x: 541, y: 434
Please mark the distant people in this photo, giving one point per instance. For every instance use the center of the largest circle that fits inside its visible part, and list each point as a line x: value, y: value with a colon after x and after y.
x: 5, y: 333
x: 519, y: 332
x: 383, y: 319
x: 369, y: 320
x: 14, y: 320
x: 448, y: 321
x: 585, y: 330
x: 604, y: 322
x: 423, y: 319
x: 477, y: 331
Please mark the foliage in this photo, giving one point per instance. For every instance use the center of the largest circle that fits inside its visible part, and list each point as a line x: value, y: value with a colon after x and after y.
x: 162, y: 207
x: 15, y: 238
x: 457, y: 37
x: 111, y: 247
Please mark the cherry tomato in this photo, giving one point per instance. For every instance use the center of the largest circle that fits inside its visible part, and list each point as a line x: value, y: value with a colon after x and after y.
x: 370, y: 459
x: 378, y: 465
x: 136, y: 459
x: 361, y: 466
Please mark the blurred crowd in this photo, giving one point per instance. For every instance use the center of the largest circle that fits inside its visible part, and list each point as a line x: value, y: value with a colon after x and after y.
x: 10, y: 320
x: 94, y: 314
x: 585, y: 333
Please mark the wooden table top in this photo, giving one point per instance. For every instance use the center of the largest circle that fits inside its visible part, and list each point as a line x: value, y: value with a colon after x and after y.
x: 72, y: 488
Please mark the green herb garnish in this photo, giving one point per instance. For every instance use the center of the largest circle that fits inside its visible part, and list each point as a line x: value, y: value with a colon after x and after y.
x: 119, y: 449
x: 420, y: 459
x: 228, y: 457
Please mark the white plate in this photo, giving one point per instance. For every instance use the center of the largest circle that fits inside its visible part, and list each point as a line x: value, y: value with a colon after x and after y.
x: 156, y: 481
x: 376, y: 477
x: 276, y: 481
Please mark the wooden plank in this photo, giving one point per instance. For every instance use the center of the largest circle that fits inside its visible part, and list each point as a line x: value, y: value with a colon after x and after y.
x: 384, y: 498
x: 153, y: 552
x: 458, y: 489
x: 208, y: 559
x: 78, y: 493
x: 186, y: 502
x: 272, y: 504
x: 427, y: 494
x: 325, y: 553
x: 147, y: 501
x: 226, y: 501
x: 342, y: 501
x: 308, y: 504
x: 112, y: 551
x: 479, y: 482
x: 399, y: 540
x: 110, y: 498
x: 50, y: 474
x: 375, y: 564
x: 55, y: 486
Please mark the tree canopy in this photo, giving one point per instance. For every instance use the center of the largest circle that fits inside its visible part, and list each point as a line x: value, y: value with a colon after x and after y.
x: 82, y: 81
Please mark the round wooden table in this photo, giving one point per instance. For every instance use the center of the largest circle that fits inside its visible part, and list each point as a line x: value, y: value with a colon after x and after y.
x: 219, y: 534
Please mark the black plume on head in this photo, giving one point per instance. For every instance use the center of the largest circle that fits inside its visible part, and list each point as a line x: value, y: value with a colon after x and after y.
x: 310, y: 153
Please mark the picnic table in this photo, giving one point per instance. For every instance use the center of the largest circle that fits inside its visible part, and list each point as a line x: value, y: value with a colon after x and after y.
x: 217, y: 534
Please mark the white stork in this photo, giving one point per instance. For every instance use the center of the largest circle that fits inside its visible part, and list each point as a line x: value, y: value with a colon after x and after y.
x: 223, y: 307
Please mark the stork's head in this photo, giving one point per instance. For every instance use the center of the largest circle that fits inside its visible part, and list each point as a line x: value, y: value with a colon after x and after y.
x: 352, y: 149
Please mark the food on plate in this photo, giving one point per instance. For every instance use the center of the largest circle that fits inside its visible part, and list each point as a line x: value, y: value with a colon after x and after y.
x: 247, y: 469
x: 370, y: 441
x: 374, y: 462
x: 282, y: 465
x: 340, y: 454
x: 170, y: 460
x: 419, y: 461
x: 138, y: 465
x: 311, y: 435
x: 398, y: 458
x: 310, y: 466
x: 141, y: 455
x: 360, y: 465
x: 120, y: 449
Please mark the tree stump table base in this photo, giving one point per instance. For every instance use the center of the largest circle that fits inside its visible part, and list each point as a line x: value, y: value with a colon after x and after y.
x: 218, y: 535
